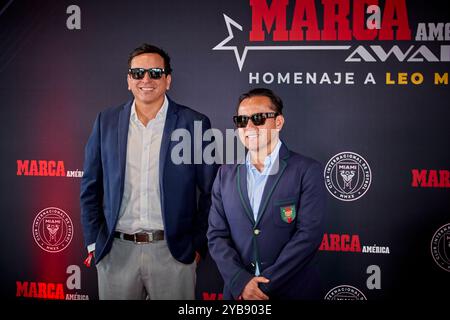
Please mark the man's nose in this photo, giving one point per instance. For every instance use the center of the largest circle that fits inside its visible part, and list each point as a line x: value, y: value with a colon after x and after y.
x: 250, y: 124
x: 146, y: 77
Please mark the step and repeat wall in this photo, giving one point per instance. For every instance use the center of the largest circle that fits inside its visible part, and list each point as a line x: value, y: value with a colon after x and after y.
x: 365, y: 88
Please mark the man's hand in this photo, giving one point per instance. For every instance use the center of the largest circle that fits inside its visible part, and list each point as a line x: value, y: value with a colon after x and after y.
x: 198, y: 257
x: 252, y: 291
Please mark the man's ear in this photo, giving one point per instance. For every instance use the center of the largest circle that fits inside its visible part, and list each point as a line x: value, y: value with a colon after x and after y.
x: 169, y: 81
x: 279, y: 122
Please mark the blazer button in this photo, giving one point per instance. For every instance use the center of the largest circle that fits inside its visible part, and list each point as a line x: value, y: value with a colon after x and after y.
x: 256, y: 232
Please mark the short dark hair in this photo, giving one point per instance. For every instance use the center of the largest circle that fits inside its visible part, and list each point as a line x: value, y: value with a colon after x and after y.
x: 277, y: 103
x: 148, y: 48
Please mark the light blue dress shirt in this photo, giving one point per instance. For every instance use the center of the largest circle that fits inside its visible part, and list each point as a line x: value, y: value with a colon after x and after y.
x: 256, y: 181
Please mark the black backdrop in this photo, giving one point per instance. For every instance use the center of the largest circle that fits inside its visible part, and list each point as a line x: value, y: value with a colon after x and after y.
x: 54, y: 80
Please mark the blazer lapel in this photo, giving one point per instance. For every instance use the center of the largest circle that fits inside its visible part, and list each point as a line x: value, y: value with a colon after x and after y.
x: 241, y: 179
x: 272, y: 181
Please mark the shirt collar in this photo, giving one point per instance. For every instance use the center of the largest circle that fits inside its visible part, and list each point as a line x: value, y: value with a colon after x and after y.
x: 269, y: 160
x: 161, y: 113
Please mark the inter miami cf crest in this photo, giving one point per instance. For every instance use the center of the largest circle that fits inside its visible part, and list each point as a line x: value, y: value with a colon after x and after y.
x: 52, y: 229
x: 440, y: 247
x: 288, y: 213
x: 345, y: 292
x: 347, y: 176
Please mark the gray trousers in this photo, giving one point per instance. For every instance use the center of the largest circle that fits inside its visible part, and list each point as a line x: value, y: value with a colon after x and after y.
x: 144, y: 271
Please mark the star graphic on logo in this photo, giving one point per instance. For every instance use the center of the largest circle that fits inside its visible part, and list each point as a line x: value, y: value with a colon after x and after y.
x: 240, y: 59
x: 222, y: 46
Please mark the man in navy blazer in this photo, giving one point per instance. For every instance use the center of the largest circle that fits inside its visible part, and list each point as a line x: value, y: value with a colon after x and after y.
x: 144, y: 216
x: 265, y: 222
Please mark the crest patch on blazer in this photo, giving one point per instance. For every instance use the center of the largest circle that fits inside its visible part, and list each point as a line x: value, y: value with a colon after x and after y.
x: 288, y: 213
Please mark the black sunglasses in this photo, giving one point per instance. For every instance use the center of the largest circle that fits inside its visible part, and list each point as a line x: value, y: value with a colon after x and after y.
x: 139, y: 73
x: 258, y: 119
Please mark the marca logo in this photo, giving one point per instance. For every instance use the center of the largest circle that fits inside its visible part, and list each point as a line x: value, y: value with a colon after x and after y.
x: 343, y: 20
x: 430, y: 178
x: 348, y: 243
x: 50, y: 290
x: 335, y: 13
x: 41, y: 168
x: 212, y: 296
x: 45, y: 168
x: 337, y: 242
x: 40, y: 290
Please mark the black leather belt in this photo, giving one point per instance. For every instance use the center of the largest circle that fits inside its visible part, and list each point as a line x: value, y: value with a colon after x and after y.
x: 142, y: 237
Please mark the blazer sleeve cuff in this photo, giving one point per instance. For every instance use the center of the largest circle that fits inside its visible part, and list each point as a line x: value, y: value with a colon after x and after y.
x: 91, y: 247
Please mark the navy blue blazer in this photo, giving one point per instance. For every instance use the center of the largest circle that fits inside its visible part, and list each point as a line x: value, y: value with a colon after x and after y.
x: 284, y: 238
x: 184, y: 209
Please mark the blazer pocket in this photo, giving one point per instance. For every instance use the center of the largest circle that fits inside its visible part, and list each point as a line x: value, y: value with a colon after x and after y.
x: 285, y: 212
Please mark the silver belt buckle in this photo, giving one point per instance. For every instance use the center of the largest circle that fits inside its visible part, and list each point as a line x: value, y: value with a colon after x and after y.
x: 150, y: 237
